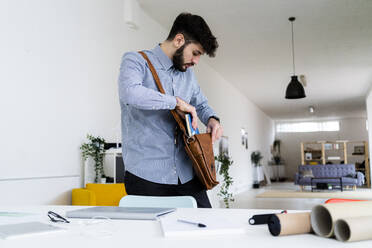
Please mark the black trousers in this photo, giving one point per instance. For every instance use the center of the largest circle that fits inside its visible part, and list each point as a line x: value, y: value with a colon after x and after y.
x: 137, y: 186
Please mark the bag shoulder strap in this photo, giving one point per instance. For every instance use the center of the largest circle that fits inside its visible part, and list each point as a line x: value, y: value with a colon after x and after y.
x: 161, y: 89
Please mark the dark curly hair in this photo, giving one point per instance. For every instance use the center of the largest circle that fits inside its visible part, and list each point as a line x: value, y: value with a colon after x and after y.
x: 194, y: 28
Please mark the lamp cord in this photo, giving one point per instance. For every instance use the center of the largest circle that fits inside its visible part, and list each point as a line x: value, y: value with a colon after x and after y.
x: 293, y: 52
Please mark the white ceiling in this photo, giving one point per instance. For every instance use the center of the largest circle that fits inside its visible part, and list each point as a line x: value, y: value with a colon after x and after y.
x: 333, y: 47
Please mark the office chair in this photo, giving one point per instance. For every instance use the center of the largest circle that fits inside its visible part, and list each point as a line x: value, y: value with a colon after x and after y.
x: 158, y: 201
x: 98, y: 194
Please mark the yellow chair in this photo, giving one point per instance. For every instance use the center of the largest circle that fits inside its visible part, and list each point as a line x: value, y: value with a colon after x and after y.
x: 96, y: 194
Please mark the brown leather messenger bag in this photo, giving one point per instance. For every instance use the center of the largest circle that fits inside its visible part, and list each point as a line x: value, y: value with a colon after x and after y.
x: 198, y: 147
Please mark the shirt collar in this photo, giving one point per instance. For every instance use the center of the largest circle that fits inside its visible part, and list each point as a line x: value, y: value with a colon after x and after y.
x: 165, y: 61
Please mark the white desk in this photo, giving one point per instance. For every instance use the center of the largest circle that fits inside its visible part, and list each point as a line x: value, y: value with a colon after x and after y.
x: 133, y: 234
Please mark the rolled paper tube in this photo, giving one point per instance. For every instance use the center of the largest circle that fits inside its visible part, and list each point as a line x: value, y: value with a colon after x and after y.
x: 324, y: 216
x: 288, y: 224
x: 353, y: 229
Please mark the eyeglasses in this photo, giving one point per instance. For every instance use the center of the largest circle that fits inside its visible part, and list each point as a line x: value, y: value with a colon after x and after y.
x: 54, y: 217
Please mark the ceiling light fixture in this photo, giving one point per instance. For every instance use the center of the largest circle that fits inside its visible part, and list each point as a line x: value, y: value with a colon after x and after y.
x: 295, y: 90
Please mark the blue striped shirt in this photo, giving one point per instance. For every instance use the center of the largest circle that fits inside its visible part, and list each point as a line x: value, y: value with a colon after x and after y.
x: 148, y: 129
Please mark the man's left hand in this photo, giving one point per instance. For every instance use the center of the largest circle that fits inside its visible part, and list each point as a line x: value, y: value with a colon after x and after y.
x: 215, y: 128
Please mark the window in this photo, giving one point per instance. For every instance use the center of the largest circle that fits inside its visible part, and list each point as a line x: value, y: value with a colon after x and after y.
x: 298, y: 127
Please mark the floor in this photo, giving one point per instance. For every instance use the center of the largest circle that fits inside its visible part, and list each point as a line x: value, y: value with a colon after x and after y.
x: 248, y: 199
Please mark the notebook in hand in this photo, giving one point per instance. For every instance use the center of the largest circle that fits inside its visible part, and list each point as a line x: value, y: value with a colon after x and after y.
x: 190, y: 130
x: 27, y: 228
x: 132, y: 213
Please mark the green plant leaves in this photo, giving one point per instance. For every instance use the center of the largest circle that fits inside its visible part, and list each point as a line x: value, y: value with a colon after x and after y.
x: 95, y: 148
x: 256, y: 158
x: 225, y: 163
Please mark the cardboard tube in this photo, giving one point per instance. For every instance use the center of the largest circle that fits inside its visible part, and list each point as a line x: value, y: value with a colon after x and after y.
x: 324, y: 216
x: 353, y: 229
x: 287, y: 224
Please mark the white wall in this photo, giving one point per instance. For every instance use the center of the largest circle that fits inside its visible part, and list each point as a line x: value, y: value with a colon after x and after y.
x: 369, y: 115
x: 59, y: 67
x: 352, y: 129
x: 236, y: 112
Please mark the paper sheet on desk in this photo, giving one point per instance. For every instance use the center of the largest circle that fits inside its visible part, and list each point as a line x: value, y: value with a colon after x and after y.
x: 14, y: 214
x: 215, y: 226
x: 9, y: 231
x: 16, y: 217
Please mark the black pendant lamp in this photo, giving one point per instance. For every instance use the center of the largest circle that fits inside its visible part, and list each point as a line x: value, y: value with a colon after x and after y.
x: 295, y: 90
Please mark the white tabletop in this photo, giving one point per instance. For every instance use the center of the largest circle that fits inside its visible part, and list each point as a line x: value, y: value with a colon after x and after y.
x: 135, y: 233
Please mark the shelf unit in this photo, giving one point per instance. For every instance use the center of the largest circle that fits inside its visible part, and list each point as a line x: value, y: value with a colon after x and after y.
x: 321, y: 152
x: 358, y: 152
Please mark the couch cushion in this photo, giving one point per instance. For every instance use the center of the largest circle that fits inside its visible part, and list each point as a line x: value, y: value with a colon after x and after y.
x: 329, y: 170
x: 333, y: 181
x: 307, y: 173
x: 352, y: 175
x: 349, y: 181
x: 305, y: 181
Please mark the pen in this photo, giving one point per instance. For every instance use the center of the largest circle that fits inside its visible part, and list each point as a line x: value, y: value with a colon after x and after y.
x: 192, y: 223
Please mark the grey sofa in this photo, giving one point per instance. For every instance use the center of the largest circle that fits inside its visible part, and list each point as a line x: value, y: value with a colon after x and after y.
x: 322, y: 172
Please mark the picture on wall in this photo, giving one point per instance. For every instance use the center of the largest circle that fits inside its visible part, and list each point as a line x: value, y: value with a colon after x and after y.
x: 224, y: 145
x: 244, y: 138
x: 223, y: 149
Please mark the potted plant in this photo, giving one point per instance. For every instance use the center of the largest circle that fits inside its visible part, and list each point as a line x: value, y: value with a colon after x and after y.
x: 276, y: 147
x: 256, y: 159
x: 225, y: 163
x: 275, y: 151
x: 95, y: 149
x: 277, y: 160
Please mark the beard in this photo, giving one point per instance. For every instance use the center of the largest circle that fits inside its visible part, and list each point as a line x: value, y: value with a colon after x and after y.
x: 178, y: 60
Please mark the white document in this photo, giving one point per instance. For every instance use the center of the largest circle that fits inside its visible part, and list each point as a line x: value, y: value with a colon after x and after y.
x: 215, y: 225
x: 26, y: 228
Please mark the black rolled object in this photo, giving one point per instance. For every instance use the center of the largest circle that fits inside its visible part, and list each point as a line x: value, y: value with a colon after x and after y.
x: 259, y: 219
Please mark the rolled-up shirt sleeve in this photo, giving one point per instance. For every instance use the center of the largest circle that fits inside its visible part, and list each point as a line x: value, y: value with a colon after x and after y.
x: 200, y: 102
x: 131, y: 90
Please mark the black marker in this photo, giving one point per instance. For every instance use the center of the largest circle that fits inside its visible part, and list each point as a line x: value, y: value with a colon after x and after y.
x: 192, y: 223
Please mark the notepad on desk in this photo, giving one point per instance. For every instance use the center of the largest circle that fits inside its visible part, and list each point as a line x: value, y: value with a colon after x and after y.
x: 172, y: 227
x: 27, y: 228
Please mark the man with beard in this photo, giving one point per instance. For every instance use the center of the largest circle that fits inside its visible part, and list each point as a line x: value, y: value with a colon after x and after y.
x: 155, y: 160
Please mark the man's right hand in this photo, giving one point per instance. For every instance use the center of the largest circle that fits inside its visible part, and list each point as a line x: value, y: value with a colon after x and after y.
x: 183, y: 107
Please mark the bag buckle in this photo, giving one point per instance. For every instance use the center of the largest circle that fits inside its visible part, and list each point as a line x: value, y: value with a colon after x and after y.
x: 190, y: 139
